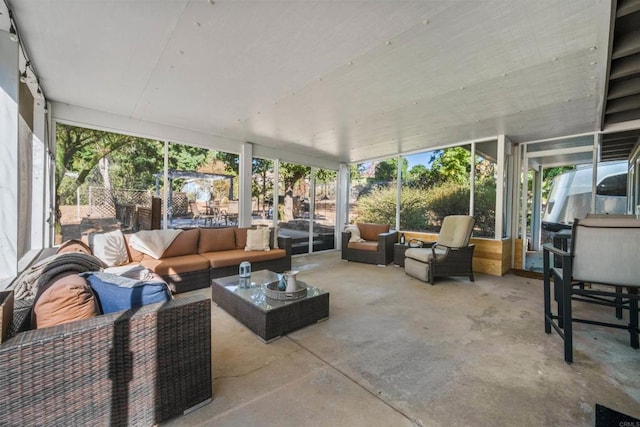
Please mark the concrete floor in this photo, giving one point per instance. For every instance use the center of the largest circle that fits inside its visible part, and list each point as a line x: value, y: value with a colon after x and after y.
x: 399, y: 352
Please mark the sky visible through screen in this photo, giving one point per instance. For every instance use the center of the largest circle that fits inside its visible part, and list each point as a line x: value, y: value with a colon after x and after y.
x: 419, y: 159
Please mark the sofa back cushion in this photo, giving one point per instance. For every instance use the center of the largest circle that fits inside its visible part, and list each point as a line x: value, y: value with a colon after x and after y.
x: 370, y: 231
x: 65, y: 298
x: 74, y: 245
x: 216, y: 239
x: 241, y: 237
x: 134, y: 254
x: 185, y: 244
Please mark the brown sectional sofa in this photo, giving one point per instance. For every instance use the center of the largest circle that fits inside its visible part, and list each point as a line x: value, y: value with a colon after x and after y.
x: 200, y: 254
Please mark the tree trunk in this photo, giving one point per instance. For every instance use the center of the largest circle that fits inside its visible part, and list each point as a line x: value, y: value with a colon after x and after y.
x: 103, y: 165
x: 288, y: 204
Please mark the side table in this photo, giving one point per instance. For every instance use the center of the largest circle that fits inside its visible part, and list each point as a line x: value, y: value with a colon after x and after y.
x: 398, y: 253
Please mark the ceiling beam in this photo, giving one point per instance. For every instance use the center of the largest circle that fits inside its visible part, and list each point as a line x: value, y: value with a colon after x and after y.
x: 624, y: 67
x: 627, y: 7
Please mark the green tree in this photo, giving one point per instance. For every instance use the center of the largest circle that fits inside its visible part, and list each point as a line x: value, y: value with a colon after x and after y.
x: 123, y: 161
x: 420, y: 176
x: 261, y: 185
x: 387, y: 170
x: 79, y: 150
x: 291, y: 174
x: 450, y: 165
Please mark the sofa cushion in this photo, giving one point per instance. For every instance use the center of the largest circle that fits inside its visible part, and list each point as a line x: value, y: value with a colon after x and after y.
x: 74, y: 245
x: 241, y: 237
x: 185, y: 244
x: 154, y: 242
x: 110, y: 248
x: 176, y: 265
x: 65, y: 298
x: 258, y: 239
x: 236, y: 256
x: 216, y: 239
x: 117, y: 293
x: 370, y: 231
x: 134, y: 254
x: 363, y: 246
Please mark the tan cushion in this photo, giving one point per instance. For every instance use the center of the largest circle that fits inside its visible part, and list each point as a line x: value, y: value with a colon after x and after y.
x: 371, y: 231
x: 416, y: 269
x: 424, y: 254
x: 176, y: 265
x: 258, y: 239
x: 236, y: 256
x: 456, y: 231
x: 186, y: 243
x: 74, y: 245
x: 134, y: 254
x: 67, y: 297
x: 363, y: 246
x: 216, y: 239
x: 241, y: 237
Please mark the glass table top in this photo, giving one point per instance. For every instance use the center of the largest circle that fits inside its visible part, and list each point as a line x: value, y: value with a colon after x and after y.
x: 251, y: 289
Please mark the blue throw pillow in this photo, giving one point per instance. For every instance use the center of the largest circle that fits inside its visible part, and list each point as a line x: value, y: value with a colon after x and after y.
x: 117, y: 293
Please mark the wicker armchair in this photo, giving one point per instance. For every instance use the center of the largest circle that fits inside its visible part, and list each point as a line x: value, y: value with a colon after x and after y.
x: 136, y: 367
x: 450, y: 255
x: 375, y: 247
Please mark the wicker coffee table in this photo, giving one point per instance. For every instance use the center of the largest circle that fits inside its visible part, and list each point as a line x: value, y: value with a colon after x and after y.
x: 268, y: 318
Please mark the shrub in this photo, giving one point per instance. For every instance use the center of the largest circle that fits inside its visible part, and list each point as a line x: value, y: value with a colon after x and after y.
x: 423, y: 210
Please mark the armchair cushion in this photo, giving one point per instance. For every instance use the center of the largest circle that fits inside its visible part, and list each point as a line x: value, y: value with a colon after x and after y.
x: 456, y: 231
x: 364, y: 245
x: 371, y: 231
x: 425, y: 254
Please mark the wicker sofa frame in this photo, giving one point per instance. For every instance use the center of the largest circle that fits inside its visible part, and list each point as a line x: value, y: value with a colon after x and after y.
x: 383, y: 256
x: 136, y: 367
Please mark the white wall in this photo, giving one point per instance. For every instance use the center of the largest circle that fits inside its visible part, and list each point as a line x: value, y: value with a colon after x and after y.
x: 9, y: 78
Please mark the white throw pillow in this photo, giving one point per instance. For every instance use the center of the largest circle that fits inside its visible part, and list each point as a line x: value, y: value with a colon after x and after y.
x: 355, y: 233
x: 110, y: 248
x: 258, y: 239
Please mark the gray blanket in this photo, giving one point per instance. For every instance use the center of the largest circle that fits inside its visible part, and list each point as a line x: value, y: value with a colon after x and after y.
x: 27, y: 284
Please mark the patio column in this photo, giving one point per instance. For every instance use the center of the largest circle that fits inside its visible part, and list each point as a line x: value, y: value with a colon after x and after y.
x: 244, y: 193
x: 342, y: 202
x: 39, y: 209
x: 9, y: 190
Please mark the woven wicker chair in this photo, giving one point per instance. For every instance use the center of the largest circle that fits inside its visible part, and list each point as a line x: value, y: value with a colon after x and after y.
x: 603, y: 253
x: 450, y: 255
x: 376, y: 246
x: 136, y: 367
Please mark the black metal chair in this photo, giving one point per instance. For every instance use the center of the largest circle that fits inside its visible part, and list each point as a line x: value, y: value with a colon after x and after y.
x: 604, y: 253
